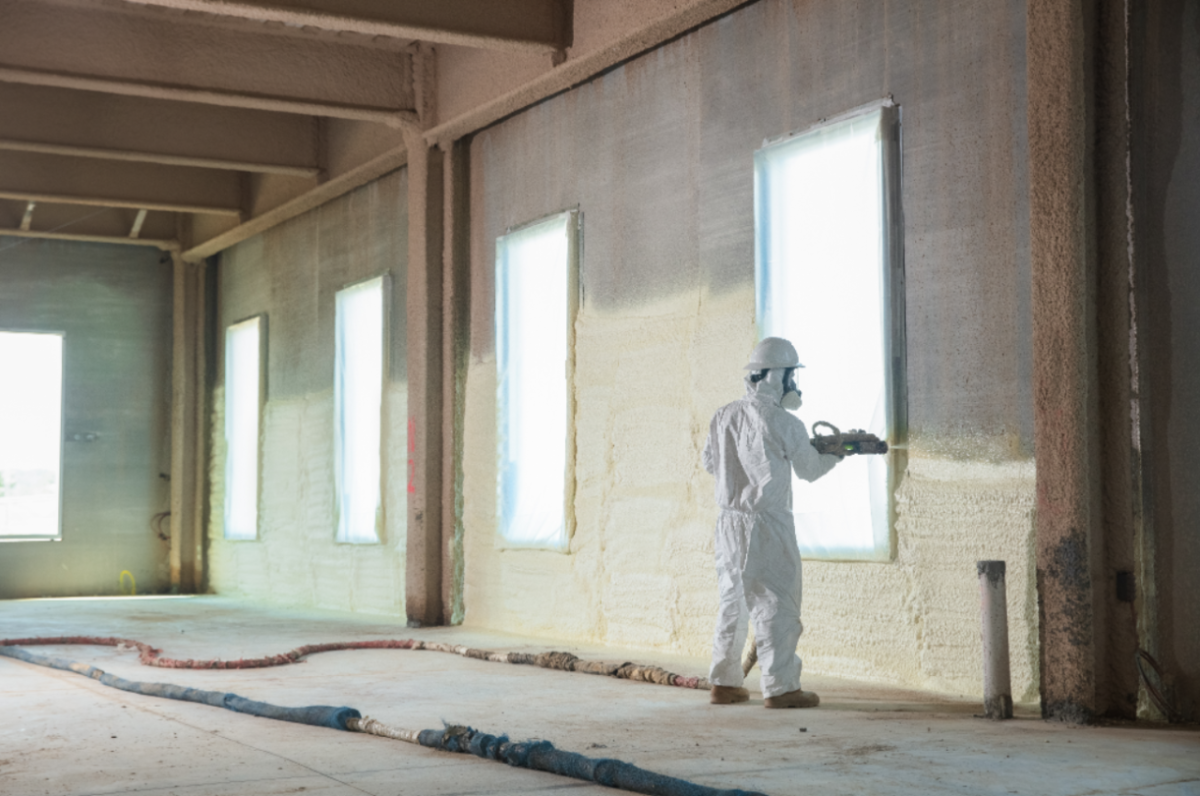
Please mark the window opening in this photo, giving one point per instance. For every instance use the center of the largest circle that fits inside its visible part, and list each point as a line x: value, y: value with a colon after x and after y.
x: 828, y: 278
x: 535, y: 308
x: 358, y: 410
x: 31, y: 435
x: 243, y: 411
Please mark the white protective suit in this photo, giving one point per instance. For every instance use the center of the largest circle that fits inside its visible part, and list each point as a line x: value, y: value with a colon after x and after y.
x: 753, y: 447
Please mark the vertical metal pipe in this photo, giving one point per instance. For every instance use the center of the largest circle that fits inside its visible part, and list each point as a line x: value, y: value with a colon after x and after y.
x: 997, y: 682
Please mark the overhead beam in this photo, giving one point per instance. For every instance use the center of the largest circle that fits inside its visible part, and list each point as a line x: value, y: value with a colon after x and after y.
x: 83, y: 181
x: 97, y: 49
x: 143, y: 157
x: 165, y: 245
x: 342, y: 184
x: 228, y: 99
x: 85, y: 123
x: 530, y: 26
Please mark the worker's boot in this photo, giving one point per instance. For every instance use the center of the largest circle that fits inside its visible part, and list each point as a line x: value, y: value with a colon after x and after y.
x: 793, y: 699
x: 728, y: 695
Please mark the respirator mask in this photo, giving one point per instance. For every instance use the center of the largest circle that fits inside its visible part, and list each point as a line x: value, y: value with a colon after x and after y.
x: 791, y: 399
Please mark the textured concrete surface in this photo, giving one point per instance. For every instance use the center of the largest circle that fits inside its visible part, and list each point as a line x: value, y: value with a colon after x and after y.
x: 291, y: 274
x: 657, y: 155
x: 70, y: 735
x: 114, y: 303
x: 1066, y: 396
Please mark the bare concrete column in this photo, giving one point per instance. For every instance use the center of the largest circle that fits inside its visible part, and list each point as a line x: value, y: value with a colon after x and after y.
x: 455, y: 330
x: 997, y: 680
x: 423, y: 575
x: 1064, y: 370
x: 187, y: 399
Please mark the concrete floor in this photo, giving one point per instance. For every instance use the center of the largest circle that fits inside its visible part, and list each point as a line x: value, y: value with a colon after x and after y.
x: 65, y: 734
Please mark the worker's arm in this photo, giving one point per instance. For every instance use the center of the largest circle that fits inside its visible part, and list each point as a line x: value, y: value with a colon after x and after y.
x: 806, y: 462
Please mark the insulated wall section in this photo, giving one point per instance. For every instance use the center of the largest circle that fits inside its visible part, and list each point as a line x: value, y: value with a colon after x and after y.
x: 292, y: 275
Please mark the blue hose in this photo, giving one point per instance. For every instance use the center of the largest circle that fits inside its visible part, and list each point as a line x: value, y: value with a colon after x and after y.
x: 316, y: 715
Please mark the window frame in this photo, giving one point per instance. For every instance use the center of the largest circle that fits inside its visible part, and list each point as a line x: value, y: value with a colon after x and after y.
x: 573, y: 222
x: 385, y: 298
x: 263, y: 350
x: 893, y: 287
x: 62, y: 432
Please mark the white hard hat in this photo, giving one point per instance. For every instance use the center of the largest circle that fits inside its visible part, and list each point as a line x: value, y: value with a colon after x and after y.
x: 774, y: 352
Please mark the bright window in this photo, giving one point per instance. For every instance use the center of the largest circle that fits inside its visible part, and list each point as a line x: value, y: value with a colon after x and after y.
x: 535, y: 285
x: 243, y: 402
x: 30, y: 434
x: 358, y: 410
x: 825, y: 278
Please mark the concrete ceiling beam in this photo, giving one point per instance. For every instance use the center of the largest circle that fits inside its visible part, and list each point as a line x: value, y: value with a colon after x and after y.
x: 83, y: 181
x: 97, y: 49
x: 158, y: 243
x: 85, y: 123
x: 529, y: 26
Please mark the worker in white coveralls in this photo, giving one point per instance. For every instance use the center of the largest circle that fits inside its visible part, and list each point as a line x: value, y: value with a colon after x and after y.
x: 754, y: 445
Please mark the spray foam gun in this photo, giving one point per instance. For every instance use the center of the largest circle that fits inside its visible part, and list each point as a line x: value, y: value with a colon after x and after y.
x: 848, y: 443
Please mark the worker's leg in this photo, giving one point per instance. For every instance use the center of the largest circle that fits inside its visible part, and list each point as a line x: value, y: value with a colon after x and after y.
x: 732, y: 617
x: 772, y: 587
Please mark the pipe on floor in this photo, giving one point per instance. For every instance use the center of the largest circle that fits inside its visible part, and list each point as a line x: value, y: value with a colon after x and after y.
x: 997, y: 682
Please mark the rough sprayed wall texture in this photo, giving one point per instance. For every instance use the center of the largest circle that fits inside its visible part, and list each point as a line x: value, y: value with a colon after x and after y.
x: 657, y: 154
x: 114, y: 303
x: 291, y: 274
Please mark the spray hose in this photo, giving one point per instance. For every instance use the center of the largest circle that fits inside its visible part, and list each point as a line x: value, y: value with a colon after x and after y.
x: 537, y: 755
x: 563, y: 661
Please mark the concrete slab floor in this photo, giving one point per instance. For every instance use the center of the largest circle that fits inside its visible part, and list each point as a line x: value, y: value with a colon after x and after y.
x: 66, y: 734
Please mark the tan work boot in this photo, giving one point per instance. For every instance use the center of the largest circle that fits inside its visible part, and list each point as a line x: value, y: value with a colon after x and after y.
x: 793, y: 699
x: 728, y: 695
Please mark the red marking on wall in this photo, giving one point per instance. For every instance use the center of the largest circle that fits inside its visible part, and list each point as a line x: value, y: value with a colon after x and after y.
x: 412, y: 455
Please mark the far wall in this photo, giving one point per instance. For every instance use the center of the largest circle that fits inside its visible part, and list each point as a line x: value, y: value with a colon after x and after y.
x: 114, y: 303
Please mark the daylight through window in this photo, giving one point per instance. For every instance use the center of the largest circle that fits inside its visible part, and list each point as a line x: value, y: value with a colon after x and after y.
x: 534, y: 313
x: 358, y: 410
x: 30, y: 435
x: 243, y: 380
x: 823, y: 280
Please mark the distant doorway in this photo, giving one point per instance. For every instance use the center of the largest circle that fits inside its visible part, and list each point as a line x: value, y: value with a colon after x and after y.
x: 31, y: 435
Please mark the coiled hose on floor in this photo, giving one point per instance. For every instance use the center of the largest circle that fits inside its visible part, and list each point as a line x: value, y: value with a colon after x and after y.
x: 536, y: 755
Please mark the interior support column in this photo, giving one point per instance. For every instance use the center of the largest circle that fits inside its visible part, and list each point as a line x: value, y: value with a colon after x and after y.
x: 1065, y: 401
x: 187, y: 421
x: 423, y: 576
x: 455, y: 323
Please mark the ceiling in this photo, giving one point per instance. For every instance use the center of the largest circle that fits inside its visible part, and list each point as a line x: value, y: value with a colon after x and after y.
x: 187, y: 124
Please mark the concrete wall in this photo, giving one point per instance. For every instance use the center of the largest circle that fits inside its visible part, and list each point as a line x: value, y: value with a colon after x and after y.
x: 1167, y: 193
x: 657, y: 154
x: 291, y: 274
x: 114, y: 303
